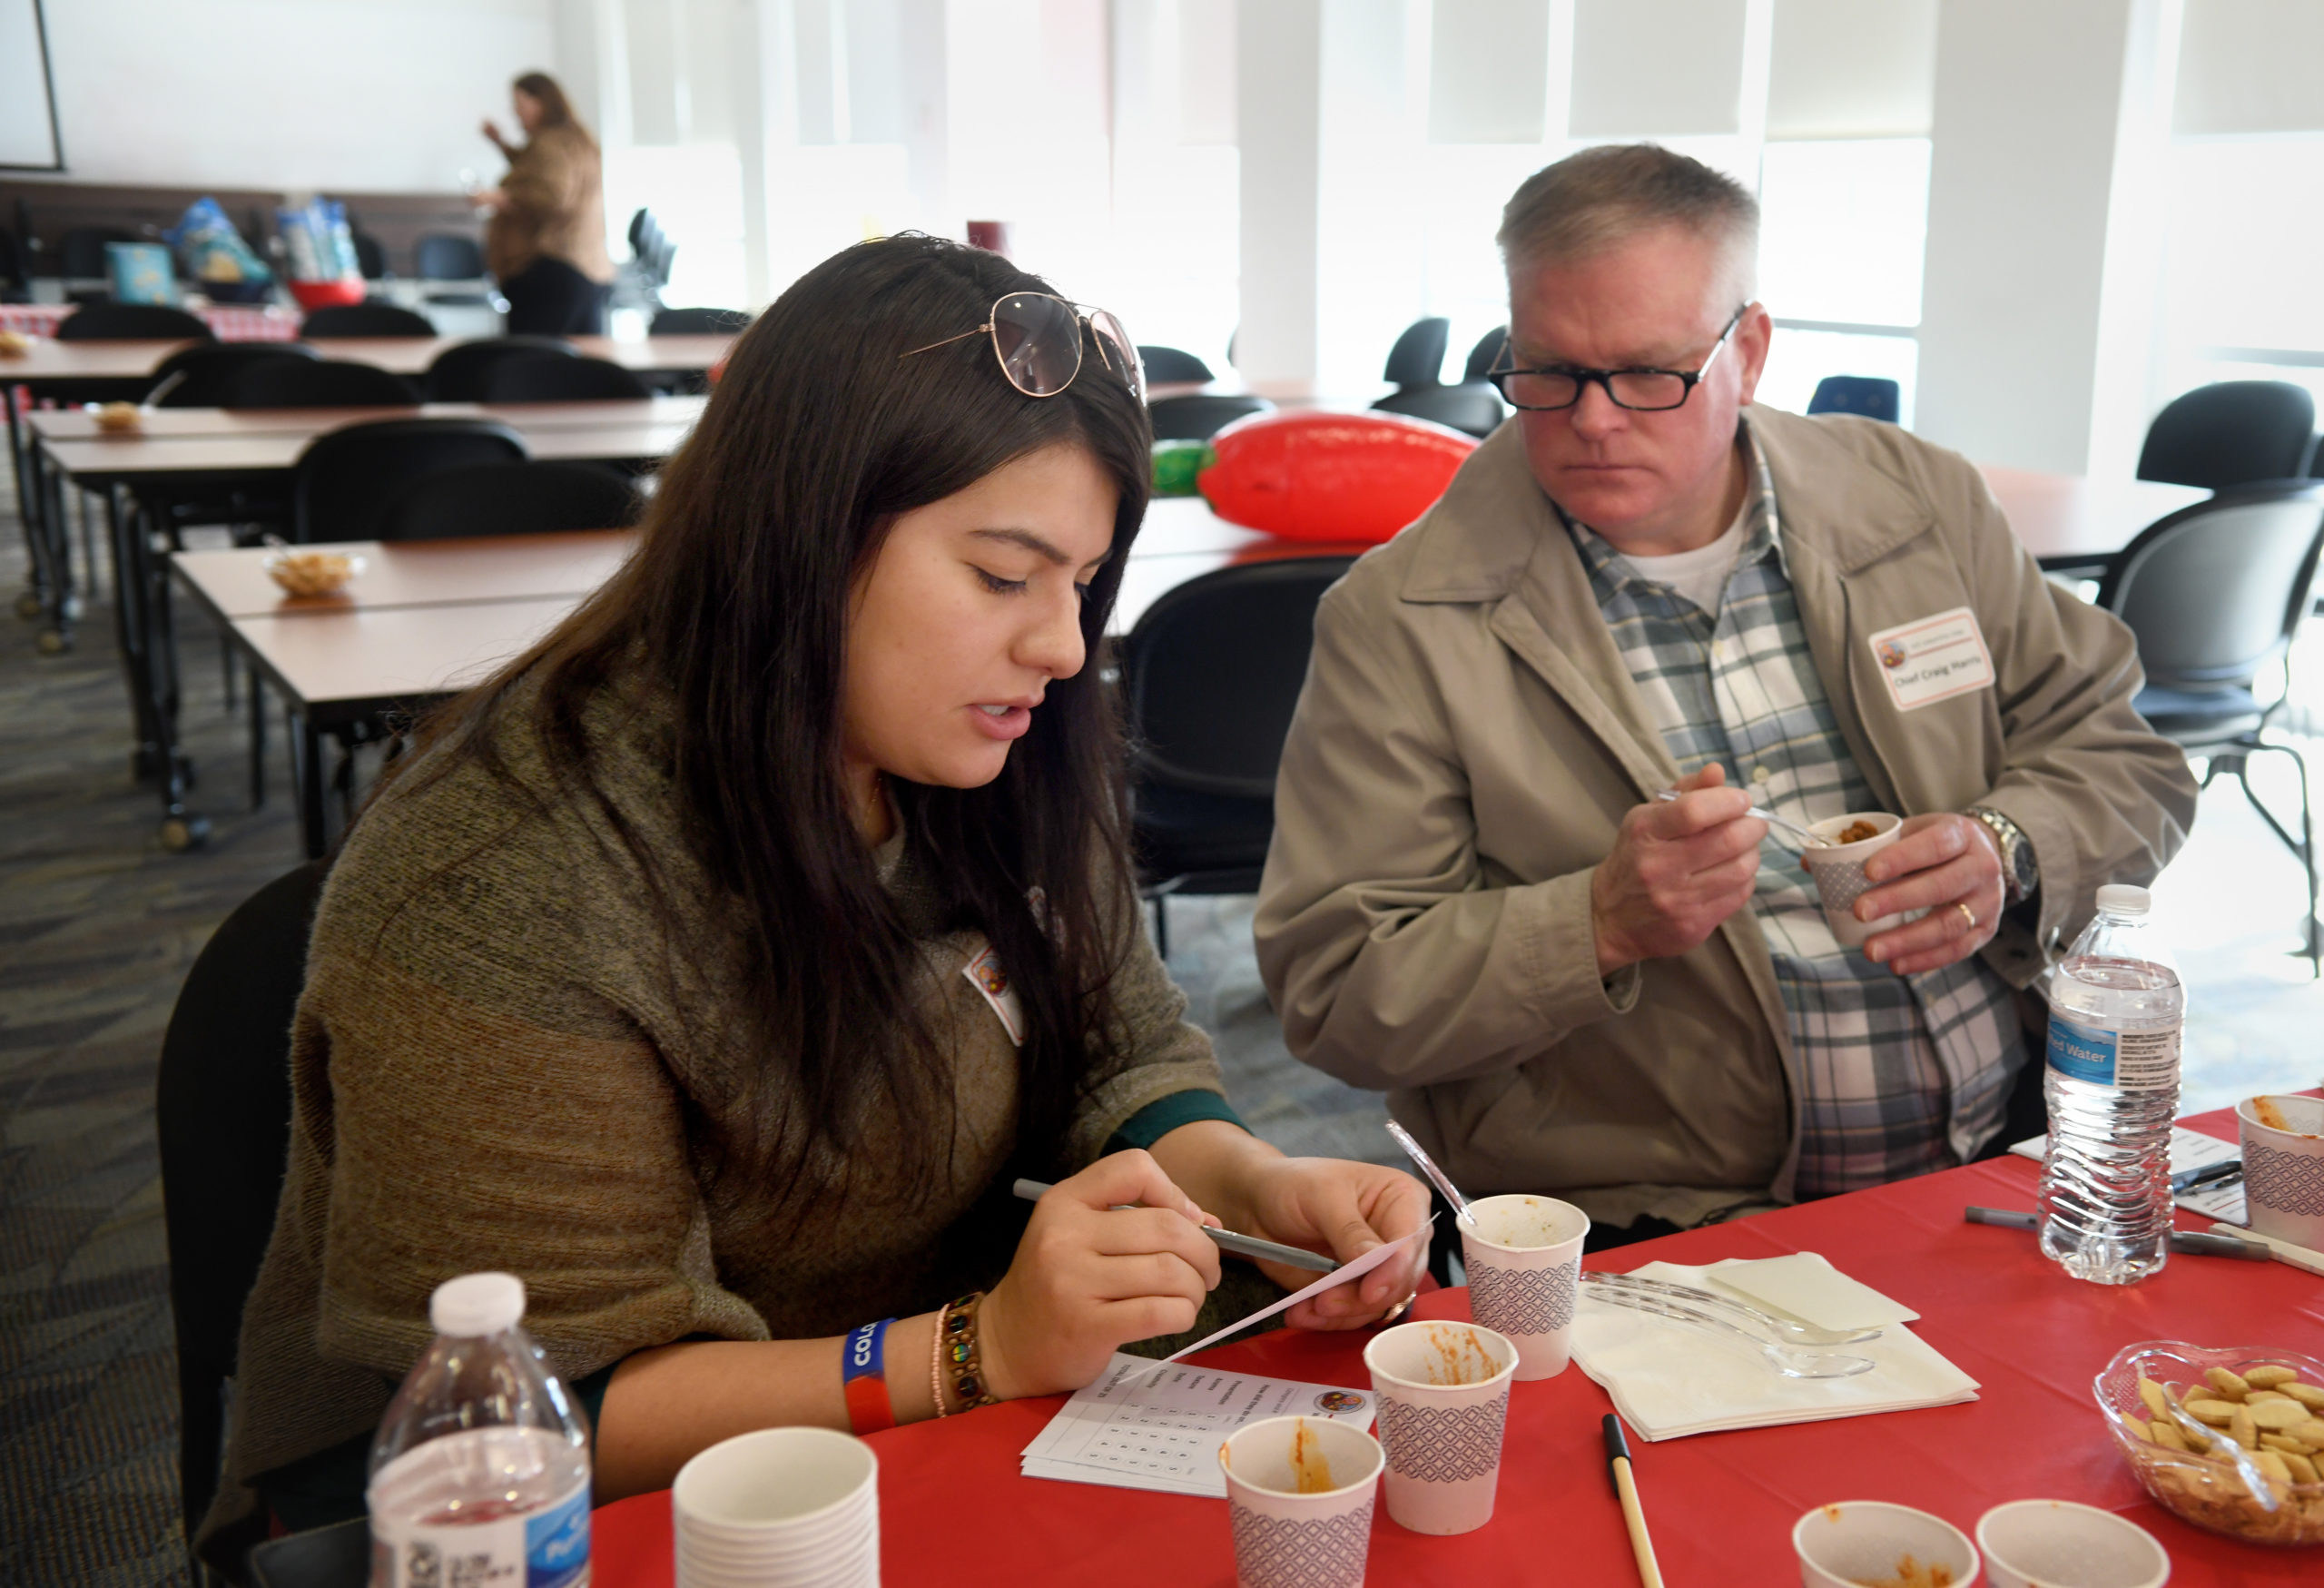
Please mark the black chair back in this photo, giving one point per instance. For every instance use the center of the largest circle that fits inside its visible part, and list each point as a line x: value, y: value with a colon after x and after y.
x: 446, y: 256
x: 366, y: 320
x: 529, y: 376
x: 1872, y: 396
x: 699, y: 322
x: 222, y: 1118
x: 1484, y: 355
x: 121, y: 323
x: 457, y: 373
x: 512, y: 498
x: 2214, y: 592
x: 1418, y: 357
x: 1169, y: 366
x: 370, y: 256
x: 1473, y: 408
x: 1198, y: 417
x: 318, y: 383
x: 346, y: 481
x: 81, y: 255
x: 1213, y: 670
x: 2231, y: 433
x: 201, y: 377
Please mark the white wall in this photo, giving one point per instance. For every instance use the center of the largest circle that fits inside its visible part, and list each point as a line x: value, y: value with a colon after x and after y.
x: 346, y: 95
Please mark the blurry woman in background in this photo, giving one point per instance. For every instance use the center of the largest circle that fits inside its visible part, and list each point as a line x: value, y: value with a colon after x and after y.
x: 547, y: 240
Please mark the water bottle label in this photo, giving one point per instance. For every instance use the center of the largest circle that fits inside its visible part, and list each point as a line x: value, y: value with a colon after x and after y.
x: 557, y: 1543
x: 546, y: 1549
x: 2126, y: 1060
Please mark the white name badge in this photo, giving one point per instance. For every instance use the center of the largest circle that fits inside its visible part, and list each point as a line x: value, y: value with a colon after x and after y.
x: 1934, y: 658
x: 985, y: 974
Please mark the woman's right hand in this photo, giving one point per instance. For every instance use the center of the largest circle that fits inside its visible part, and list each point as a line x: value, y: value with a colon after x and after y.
x: 1090, y: 1275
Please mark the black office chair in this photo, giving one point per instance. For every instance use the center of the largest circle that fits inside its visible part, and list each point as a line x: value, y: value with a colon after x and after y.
x: 2231, y: 433
x: 2214, y: 593
x: 1474, y: 408
x: 222, y: 1118
x: 1171, y: 366
x: 512, y: 498
x: 652, y: 256
x: 366, y: 320
x: 1485, y: 354
x: 544, y: 377
x: 1211, y: 674
x: 370, y: 256
x: 1872, y: 396
x: 1418, y: 357
x: 199, y: 376
x: 345, y: 481
x: 699, y: 322
x: 1199, y: 417
x: 119, y: 322
x: 81, y: 253
x: 457, y: 373
x: 446, y: 256
x: 318, y: 383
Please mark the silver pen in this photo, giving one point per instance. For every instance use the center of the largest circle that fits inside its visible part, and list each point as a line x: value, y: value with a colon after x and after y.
x: 2186, y: 1243
x: 1247, y: 1246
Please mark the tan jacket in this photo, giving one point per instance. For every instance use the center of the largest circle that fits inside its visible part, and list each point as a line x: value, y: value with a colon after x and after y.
x: 554, y: 203
x: 1469, y: 740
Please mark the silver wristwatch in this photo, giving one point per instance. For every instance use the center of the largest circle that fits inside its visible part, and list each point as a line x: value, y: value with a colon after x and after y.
x: 2020, y: 873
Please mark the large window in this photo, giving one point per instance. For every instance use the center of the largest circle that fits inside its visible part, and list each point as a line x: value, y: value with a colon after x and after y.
x: 2240, y: 300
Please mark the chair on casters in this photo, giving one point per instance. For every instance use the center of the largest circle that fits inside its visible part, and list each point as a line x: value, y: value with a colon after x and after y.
x: 223, y: 1116
x: 2230, y: 433
x: 318, y: 383
x: 1200, y: 416
x: 457, y: 373
x: 366, y: 320
x: 512, y: 498
x: 549, y: 377
x: 1211, y: 674
x: 345, y: 481
x: 1418, y: 357
x: 200, y: 376
x: 1872, y: 396
x: 1472, y: 407
x: 121, y: 323
x: 1171, y: 366
x: 1485, y: 355
x: 2214, y: 593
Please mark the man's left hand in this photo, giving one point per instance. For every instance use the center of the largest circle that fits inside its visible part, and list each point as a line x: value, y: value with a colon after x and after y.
x: 1346, y: 1208
x: 1948, y: 866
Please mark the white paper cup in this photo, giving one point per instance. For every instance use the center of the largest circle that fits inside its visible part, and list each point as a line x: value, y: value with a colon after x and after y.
x: 1282, y: 1538
x: 1838, y: 872
x: 2057, y: 1543
x: 778, y: 1508
x: 1524, y: 1263
x: 1869, y: 1541
x: 2283, y: 1166
x: 1442, y: 1393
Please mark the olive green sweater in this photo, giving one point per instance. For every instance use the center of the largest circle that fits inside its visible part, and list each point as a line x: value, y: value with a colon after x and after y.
x: 490, y: 1070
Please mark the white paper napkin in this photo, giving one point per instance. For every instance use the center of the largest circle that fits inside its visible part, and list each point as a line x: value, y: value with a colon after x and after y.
x: 1669, y: 1380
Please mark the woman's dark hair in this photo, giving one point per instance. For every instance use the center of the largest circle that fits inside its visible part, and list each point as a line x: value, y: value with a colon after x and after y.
x: 557, y: 111
x: 819, y: 434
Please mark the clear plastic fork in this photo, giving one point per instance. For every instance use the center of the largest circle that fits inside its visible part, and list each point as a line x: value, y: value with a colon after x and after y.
x: 1791, y: 1361
x: 1785, y: 1331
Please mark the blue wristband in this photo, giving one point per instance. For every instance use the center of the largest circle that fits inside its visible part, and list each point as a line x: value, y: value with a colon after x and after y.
x: 864, y: 1377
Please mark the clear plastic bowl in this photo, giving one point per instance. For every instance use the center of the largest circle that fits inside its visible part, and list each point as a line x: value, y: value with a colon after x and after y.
x: 2207, y: 1492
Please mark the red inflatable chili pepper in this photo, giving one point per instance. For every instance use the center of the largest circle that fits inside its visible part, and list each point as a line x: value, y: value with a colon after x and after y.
x: 1316, y: 476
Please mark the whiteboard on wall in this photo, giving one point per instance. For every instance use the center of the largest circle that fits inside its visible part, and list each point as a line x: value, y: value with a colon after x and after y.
x: 28, y: 136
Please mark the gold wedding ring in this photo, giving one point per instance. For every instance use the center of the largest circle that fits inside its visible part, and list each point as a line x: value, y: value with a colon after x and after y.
x: 1967, y: 915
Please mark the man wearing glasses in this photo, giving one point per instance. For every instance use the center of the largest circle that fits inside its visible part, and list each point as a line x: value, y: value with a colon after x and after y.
x: 1644, y: 585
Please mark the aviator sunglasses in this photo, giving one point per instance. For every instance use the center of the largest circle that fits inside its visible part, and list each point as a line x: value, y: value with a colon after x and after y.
x: 1037, y: 339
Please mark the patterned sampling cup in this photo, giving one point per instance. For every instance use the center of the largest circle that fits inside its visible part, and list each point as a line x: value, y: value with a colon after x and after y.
x: 1299, y: 1497
x: 2283, y: 1166
x: 1838, y: 871
x: 1524, y: 1255
x: 1442, y: 1391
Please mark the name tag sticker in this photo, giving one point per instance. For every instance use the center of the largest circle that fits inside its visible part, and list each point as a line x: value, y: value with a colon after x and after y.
x: 985, y: 974
x: 1934, y: 658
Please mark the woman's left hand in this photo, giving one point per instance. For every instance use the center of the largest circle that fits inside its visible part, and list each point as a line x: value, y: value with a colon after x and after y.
x: 1347, y: 1208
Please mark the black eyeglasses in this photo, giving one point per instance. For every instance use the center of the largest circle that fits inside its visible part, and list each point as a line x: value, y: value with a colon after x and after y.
x: 1037, y: 339
x: 1557, y: 386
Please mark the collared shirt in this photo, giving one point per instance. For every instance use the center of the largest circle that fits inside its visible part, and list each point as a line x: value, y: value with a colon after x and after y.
x: 1901, y: 1074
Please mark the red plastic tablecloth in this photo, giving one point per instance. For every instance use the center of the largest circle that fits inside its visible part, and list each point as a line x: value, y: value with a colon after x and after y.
x: 954, y: 1511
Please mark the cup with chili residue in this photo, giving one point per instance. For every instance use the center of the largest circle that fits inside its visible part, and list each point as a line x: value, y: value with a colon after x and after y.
x: 1838, y: 867
x: 1442, y: 1391
x: 2283, y: 1166
x: 1299, y: 1497
x: 1523, y: 1257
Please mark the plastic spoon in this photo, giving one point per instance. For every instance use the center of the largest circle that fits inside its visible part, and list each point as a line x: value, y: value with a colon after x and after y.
x: 1419, y: 1155
x: 1812, y: 839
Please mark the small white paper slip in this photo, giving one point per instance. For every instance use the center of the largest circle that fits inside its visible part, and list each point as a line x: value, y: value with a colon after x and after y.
x: 1137, y: 1430
x: 1804, y: 1285
x: 1669, y: 1380
x: 1933, y: 658
x: 1340, y: 1276
x: 2189, y: 1149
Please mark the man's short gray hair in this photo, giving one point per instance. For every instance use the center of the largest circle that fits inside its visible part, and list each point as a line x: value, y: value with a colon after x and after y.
x: 1604, y: 196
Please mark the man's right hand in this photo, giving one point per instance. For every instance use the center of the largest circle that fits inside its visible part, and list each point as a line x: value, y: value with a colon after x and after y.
x: 1679, y: 868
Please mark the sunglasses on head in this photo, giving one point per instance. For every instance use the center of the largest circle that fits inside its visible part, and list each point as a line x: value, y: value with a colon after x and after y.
x: 1037, y: 339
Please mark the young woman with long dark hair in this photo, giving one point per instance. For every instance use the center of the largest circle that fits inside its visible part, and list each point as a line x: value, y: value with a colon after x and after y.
x: 718, y: 965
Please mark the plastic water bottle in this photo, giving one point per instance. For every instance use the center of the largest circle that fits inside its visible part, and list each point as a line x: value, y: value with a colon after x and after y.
x: 480, y: 1474
x: 2116, y: 1009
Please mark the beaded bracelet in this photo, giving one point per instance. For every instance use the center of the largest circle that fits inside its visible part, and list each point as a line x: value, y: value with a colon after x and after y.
x: 957, y: 1354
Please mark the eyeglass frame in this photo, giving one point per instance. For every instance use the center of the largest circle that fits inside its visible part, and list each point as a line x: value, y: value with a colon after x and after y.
x: 1083, y: 317
x: 1582, y: 377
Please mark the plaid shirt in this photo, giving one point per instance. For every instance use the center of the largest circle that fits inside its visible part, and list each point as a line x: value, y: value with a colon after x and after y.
x: 1901, y: 1074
